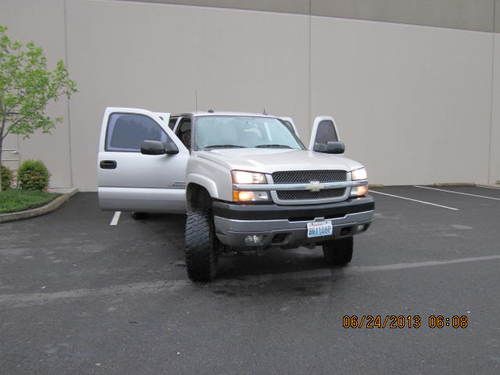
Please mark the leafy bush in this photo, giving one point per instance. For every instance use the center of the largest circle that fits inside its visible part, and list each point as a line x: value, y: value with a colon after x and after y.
x: 33, y: 175
x: 6, y: 175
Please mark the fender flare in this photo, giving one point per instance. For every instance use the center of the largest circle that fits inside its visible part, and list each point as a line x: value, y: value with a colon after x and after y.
x: 205, y: 182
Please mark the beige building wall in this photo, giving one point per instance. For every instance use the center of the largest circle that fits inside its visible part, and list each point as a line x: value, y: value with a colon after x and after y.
x: 173, y: 58
x: 43, y: 23
x: 414, y: 103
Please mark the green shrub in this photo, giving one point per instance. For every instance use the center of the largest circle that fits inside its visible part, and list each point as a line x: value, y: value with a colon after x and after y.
x: 33, y: 175
x: 6, y: 175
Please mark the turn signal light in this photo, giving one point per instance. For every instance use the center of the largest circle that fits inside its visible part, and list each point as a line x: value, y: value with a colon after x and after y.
x: 250, y: 196
x: 359, y: 191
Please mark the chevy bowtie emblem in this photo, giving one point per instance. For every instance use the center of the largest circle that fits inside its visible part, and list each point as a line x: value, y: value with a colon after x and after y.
x: 315, y: 186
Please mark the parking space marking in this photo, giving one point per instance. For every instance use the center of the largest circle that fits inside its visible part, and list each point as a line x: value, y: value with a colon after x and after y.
x: 431, y: 263
x: 457, y: 192
x: 32, y: 299
x: 491, y: 187
x: 116, y: 217
x: 415, y: 200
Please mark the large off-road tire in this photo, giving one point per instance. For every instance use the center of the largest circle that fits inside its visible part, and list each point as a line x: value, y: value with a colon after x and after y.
x: 338, y: 252
x: 201, y: 246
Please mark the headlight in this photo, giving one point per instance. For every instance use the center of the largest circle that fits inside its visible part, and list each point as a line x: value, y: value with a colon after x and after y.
x: 242, y: 177
x: 359, y: 174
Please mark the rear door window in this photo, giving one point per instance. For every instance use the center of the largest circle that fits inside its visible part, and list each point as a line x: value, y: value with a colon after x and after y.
x: 183, y: 132
x: 172, y: 122
x: 126, y: 132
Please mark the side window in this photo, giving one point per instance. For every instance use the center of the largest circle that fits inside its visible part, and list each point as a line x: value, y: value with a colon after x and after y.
x: 126, y: 132
x: 184, y: 132
x: 326, y: 132
x: 172, y: 122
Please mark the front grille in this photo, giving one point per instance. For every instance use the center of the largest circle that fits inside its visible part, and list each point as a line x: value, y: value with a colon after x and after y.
x: 305, y: 177
x: 306, y: 194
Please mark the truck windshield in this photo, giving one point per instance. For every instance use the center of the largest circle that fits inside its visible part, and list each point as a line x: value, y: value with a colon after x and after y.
x: 213, y: 132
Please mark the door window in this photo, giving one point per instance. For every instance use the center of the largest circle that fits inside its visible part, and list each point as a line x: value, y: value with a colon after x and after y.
x: 326, y: 132
x: 126, y: 132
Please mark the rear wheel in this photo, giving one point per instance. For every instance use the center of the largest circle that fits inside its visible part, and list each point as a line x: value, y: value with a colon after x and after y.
x: 201, y: 246
x: 338, y: 252
x: 139, y: 215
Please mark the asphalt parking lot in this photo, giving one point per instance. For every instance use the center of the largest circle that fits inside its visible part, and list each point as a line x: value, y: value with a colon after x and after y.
x: 78, y: 295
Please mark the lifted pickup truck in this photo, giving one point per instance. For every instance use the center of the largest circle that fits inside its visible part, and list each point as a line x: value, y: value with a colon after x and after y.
x: 246, y: 182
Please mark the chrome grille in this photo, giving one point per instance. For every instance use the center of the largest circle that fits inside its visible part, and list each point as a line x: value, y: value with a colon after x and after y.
x: 306, y: 194
x: 305, y: 177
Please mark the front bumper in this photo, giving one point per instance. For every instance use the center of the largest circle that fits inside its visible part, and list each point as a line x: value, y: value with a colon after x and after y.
x: 286, y: 226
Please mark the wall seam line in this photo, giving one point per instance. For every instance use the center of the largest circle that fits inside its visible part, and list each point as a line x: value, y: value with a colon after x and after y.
x: 309, y: 63
x: 492, y: 95
x: 68, y: 104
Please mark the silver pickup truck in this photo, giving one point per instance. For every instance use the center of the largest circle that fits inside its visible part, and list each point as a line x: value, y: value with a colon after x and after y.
x: 244, y: 180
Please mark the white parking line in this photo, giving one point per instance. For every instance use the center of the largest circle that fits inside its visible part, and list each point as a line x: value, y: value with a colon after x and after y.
x: 457, y: 192
x: 116, y: 217
x: 415, y: 200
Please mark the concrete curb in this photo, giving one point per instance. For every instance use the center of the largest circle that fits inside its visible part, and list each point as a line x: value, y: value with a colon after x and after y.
x: 489, y: 186
x: 49, y: 207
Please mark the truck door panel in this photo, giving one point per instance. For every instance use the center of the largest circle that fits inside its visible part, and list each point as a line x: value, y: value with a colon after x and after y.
x: 131, y: 181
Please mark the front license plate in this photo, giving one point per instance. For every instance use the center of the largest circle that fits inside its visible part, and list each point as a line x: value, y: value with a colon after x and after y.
x: 319, y: 229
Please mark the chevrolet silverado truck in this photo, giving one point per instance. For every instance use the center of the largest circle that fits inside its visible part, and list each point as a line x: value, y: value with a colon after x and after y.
x: 244, y: 180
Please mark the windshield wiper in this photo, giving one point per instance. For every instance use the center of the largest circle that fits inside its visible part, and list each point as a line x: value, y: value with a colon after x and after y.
x: 223, y: 146
x: 272, y: 146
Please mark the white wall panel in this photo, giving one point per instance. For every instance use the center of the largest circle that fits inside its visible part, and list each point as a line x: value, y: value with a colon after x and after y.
x: 158, y: 56
x: 412, y: 102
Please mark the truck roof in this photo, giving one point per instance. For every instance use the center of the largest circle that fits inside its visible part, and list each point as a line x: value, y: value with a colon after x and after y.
x: 221, y: 113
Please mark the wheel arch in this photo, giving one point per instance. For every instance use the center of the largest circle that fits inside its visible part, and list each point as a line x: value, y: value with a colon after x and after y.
x: 203, y: 181
x: 197, y: 197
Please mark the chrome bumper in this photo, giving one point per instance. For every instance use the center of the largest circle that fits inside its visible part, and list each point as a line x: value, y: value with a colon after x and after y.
x: 285, y: 232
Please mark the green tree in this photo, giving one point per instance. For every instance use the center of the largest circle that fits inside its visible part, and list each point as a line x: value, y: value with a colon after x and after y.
x: 26, y: 87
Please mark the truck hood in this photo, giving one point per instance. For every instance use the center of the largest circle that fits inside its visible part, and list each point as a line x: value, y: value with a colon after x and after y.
x: 272, y: 160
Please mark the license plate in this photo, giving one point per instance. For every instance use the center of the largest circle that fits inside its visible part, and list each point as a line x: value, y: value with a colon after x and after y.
x: 319, y: 228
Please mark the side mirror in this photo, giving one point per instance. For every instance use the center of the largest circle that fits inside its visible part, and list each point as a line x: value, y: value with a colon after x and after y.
x: 330, y: 147
x: 158, y: 148
x: 171, y: 148
x: 152, y: 148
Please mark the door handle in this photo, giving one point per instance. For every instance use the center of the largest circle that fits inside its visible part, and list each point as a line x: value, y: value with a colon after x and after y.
x: 108, y: 164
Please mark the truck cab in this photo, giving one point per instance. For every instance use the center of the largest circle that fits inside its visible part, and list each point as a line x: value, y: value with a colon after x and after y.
x: 245, y: 181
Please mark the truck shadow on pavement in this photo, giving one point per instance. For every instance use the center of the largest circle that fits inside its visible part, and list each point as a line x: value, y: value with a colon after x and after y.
x: 233, y: 266
x: 272, y: 261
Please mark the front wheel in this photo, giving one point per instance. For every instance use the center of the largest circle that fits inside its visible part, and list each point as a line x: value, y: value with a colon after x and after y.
x: 201, y: 254
x: 338, y: 252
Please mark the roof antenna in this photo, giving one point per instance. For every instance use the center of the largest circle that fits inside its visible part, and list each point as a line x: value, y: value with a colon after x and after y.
x: 264, y: 112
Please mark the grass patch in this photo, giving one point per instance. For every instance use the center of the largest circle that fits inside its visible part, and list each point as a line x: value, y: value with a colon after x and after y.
x: 14, y: 200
